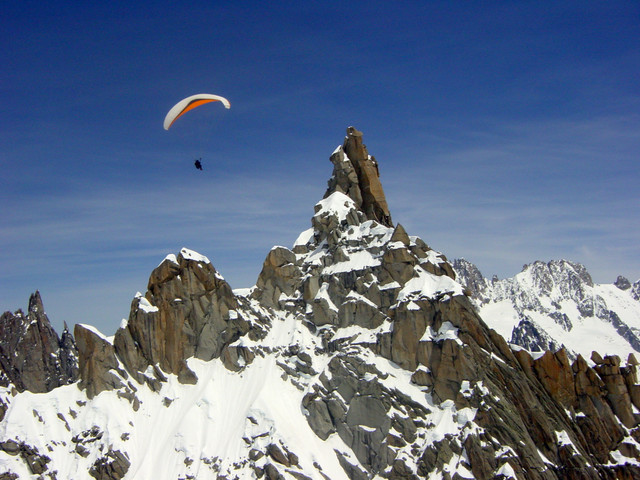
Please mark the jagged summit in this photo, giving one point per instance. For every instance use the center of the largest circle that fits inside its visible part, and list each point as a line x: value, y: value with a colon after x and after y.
x: 356, y: 174
x: 357, y: 355
x: 32, y: 356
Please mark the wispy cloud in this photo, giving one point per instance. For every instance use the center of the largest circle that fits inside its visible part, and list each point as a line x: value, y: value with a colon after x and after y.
x: 542, y: 190
x: 109, y: 240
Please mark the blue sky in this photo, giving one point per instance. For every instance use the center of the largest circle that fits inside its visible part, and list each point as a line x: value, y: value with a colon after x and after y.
x: 506, y: 132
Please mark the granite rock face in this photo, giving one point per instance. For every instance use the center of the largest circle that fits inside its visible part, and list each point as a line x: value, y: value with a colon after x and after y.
x: 32, y: 355
x: 356, y: 174
x: 188, y: 311
x: 97, y: 361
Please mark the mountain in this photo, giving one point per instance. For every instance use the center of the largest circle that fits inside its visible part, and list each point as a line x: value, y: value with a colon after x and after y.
x: 356, y: 355
x: 554, y: 304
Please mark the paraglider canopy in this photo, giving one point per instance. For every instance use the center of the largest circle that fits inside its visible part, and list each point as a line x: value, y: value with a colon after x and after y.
x: 189, y: 103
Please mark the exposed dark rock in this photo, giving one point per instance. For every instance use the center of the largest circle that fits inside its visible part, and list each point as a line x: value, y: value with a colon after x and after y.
x: 189, y: 310
x: 36, y: 462
x: 527, y: 335
x: 32, y: 356
x: 279, y: 276
x: 470, y: 276
x: 113, y: 466
x: 622, y: 283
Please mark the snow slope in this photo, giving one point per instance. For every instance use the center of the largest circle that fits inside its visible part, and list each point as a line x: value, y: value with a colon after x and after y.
x: 548, y: 305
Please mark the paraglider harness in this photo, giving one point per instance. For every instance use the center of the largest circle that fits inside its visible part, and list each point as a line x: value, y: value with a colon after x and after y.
x: 198, y: 163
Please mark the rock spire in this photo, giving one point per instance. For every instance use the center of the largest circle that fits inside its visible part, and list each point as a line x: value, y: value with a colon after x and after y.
x: 356, y: 174
x: 32, y: 355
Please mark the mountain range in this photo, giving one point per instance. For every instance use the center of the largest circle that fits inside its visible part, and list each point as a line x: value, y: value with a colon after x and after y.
x: 357, y: 354
x: 556, y: 304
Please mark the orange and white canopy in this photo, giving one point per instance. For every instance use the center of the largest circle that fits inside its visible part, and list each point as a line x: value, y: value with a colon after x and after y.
x: 189, y: 103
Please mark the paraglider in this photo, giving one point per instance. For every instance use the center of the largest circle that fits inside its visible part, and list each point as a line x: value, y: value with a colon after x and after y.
x: 189, y: 103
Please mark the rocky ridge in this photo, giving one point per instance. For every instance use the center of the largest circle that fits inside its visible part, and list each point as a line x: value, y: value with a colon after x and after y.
x: 555, y: 304
x: 356, y: 355
x: 32, y: 355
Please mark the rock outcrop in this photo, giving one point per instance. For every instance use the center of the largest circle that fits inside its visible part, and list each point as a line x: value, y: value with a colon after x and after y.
x: 188, y: 311
x: 32, y: 355
x: 97, y: 361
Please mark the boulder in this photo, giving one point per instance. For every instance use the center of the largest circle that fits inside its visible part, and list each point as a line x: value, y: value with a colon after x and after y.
x: 113, y: 466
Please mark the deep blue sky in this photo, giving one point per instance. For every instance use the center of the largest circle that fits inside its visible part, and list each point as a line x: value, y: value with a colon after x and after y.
x: 506, y: 132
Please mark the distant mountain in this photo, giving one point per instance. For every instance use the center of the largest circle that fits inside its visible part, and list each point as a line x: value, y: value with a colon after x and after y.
x: 32, y: 356
x: 357, y: 355
x: 554, y: 304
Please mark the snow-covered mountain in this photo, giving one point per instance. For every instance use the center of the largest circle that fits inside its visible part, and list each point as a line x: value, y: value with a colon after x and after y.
x: 550, y: 305
x: 356, y: 355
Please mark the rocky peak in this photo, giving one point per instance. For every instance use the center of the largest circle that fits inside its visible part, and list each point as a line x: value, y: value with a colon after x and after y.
x: 32, y: 356
x: 356, y: 174
x: 622, y: 283
x: 189, y: 310
x: 568, y: 277
x: 470, y: 276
